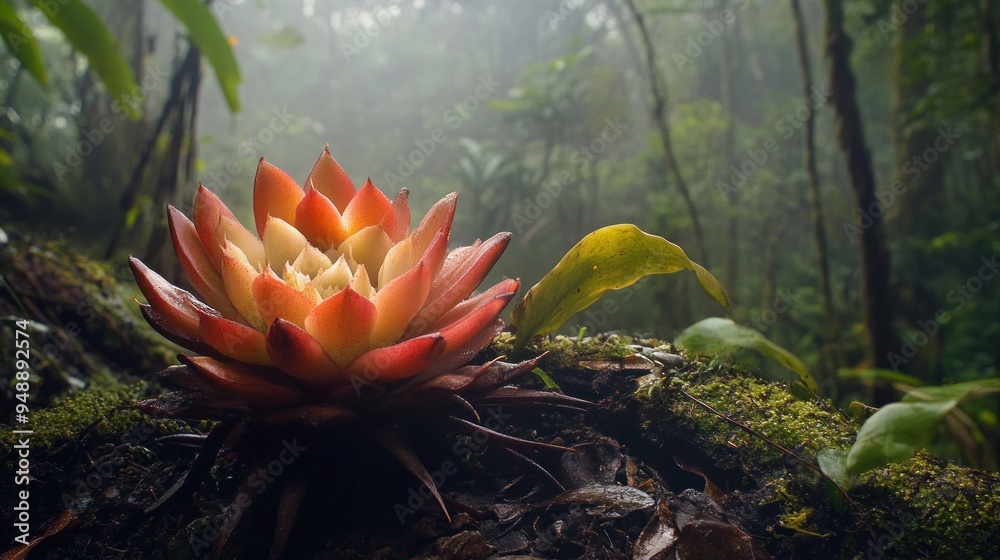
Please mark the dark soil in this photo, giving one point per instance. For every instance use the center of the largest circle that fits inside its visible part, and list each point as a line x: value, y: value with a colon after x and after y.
x: 648, y: 477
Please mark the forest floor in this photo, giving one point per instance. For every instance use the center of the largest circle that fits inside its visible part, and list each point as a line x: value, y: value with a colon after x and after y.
x: 690, y: 459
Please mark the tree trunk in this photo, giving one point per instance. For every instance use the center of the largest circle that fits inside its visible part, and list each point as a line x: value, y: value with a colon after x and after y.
x: 179, y: 111
x: 921, y: 203
x: 729, y: 150
x: 917, y: 210
x: 815, y: 200
x: 111, y: 139
x: 659, y: 110
x: 868, y: 231
x: 991, y: 54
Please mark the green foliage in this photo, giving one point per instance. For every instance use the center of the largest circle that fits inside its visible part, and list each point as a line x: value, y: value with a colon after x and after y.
x: 610, y: 258
x: 553, y: 90
x: 372, y: 95
x: 894, y: 432
x: 719, y: 336
x: 878, y: 374
x: 21, y: 42
x: 106, y: 409
x: 84, y: 30
x: 211, y: 41
x: 833, y: 463
x: 958, y: 391
x: 897, y: 430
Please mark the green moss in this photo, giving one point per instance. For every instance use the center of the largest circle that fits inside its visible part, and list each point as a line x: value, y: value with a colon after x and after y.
x: 800, y: 521
x: 921, y: 508
x: 935, y: 509
x: 565, y: 353
x: 805, y: 427
x: 107, y: 408
x: 94, y: 327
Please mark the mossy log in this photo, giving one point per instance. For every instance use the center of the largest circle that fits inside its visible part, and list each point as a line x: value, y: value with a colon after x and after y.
x: 85, y: 326
x: 731, y: 454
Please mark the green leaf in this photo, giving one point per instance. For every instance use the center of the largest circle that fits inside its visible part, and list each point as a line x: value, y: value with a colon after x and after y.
x: 84, y: 30
x: 833, y: 463
x: 550, y: 385
x: 610, y: 258
x: 718, y: 336
x: 897, y: 429
x: 212, y: 42
x: 960, y: 391
x: 21, y: 42
x: 878, y: 374
x: 894, y: 432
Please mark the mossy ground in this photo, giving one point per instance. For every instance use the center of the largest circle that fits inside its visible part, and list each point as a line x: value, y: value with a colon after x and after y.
x: 85, y: 325
x: 564, y: 352
x: 106, y: 410
x: 935, y: 509
x: 92, y: 446
x: 920, y: 508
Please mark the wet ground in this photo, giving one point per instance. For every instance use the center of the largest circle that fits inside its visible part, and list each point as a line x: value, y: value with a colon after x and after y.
x: 652, y: 470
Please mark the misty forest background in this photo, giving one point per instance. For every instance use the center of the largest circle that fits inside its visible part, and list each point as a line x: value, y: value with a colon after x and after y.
x: 833, y: 162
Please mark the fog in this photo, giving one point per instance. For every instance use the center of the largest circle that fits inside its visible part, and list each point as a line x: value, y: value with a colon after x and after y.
x: 542, y: 115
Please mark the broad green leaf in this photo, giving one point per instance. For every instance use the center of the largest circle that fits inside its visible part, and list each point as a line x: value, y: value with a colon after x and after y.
x: 833, y: 463
x: 718, y: 336
x: 21, y: 42
x: 960, y: 391
x: 894, y: 432
x: 212, y: 42
x: 84, y: 30
x: 611, y: 258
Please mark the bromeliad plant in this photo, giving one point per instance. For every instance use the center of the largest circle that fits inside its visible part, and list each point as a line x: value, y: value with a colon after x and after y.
x: 334, y: 295
x: 336, y: 316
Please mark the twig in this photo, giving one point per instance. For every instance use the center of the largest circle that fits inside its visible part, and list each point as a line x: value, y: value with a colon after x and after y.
x: 765, y: 439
